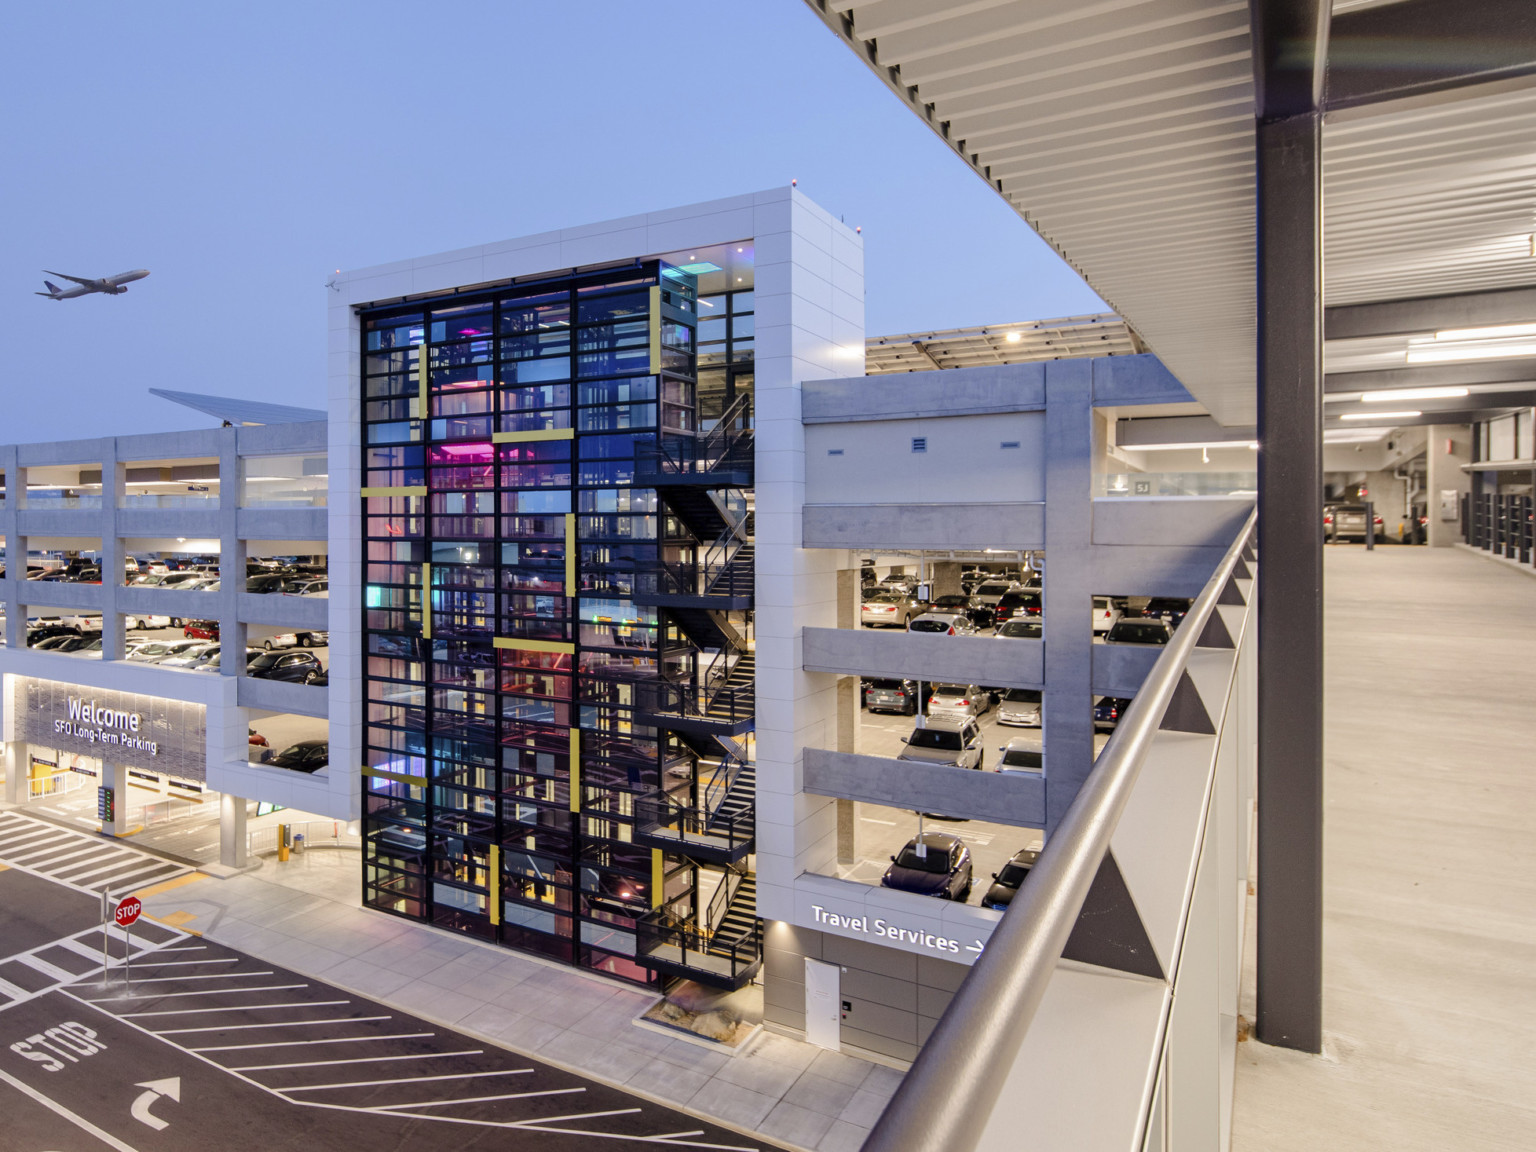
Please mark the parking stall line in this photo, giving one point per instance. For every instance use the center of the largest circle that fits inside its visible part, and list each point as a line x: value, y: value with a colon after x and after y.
x: 274, y: 1024
x: 327, y: 1040
x: 236, y: 1008
x: 209, y: 976
x: 360, y: 1060
x: 181, y: 963
x: 483, y: 1099
x: 409, y: 1080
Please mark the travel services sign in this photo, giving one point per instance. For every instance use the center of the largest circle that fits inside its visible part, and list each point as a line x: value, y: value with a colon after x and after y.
x: 138, y: 731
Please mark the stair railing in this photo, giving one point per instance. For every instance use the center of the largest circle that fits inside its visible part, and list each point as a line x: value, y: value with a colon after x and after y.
x: 720, y: 785
x: 720, y: 902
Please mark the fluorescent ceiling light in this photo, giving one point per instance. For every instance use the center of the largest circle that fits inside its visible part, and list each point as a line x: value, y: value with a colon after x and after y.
x: 1192, y: 446
x: 1398, y: 395
x: 1429, y: 354
x: 1380, y: 415
x: 1496, y: 333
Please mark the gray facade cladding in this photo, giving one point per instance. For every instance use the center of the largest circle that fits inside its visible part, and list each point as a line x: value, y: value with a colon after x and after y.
x: 148, y: 732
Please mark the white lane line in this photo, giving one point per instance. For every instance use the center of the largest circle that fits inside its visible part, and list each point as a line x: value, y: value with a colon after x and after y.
x: 76, y: 852
x: 483, y: 1099
x: 358, y: 1060
x: 184, y: 963
x: 191, y: 948
x: 52, y: 971
x: 276, y: 1024
x: 210, y: 992
x: 542, y: 1120
x: 408, y: 1080
x: 78, y: 1121
x: 306, y: 1043
x: 235, y: 1008
x: 208, y: 976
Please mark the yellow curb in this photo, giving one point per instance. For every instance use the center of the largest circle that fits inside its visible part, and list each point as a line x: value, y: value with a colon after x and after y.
x: 175, y: 919
x: 175, y: 882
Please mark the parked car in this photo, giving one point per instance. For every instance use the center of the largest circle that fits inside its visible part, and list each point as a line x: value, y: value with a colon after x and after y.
x: 255, y: 739
x: 318, y: 678
x: 1019, y: 708
x: 1139, y: 630
x: 176, y: 579
x: 1347, y: 522
x: 89, y: 646
x: 305, y: 756
x: 989, y: 592
x: 281, y: 640
x: 1019, y: 755
x: 933, y: 864
x: 891, y: 696
x: 151, y: 579
x: 890, y: 610
x: 313, y: 639
x: 267, y: 582
x: 1107, y: 712
x: 899, y: 582
x: 950, y: 603
x: 187, y: 657
x: 47, y: 631
x: 1016, y: 603
x: 1005, y: 884
x: 1105, y: 614
x: 1169, y: 609
x: 888, y: 695
x: 57, y: 643
x: 314, y: 586
x: 289, y: 666
x: 943, y: 624
x: 138, y: 621
x: 1020, y: 628
x: 951, y: 743
x: 85, y: 621
x: 959, y: 701
x: 161, y: 651
x: 201, y: 629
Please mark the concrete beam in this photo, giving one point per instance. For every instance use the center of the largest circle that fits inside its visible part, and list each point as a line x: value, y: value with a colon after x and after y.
x: 983, y: 660
x: 939, y: 527
x: 986, y: 389
x: 1002, y: 798
x: 1430, y: 313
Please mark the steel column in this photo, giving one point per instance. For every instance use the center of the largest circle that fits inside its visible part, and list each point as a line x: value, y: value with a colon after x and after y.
x: 1290, y: 578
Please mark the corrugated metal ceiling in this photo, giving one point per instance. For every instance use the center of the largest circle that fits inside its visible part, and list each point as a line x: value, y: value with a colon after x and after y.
x: 1104, y: 334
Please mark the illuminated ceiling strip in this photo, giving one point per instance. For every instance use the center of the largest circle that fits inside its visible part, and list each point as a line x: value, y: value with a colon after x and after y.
x: 537, y: 434
x: 405, y: 490
x: 518, y: 644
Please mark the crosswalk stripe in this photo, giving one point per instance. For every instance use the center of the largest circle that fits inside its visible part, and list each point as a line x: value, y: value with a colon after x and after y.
x: 77, y: 852
x: 53, y: 972
x: 133, y: 877
x: 76, y: 875
x: 15, y: 993
x: 38, y: 847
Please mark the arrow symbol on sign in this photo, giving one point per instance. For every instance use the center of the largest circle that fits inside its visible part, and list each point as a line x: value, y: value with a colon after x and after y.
x: 157, y: 1088
x: 976, y: 947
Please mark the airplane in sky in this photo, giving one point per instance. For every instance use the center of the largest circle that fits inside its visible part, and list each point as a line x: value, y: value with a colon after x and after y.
x: 112, y: 285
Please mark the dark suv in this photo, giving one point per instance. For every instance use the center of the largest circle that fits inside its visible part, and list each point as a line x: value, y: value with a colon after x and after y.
x: 933, y: 864
x: 1017, y: 604
x: 294, y: 667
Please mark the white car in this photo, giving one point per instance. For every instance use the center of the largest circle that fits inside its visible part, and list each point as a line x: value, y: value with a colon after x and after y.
x: 943, y: 624
x: 958, y: 702
x: 320, y: 587
x: 281, y: 640
x: 138, y: 621
x: 1105, y: 614
x: 159, y: 650
x: 189, y: 656
x: 1019, y: 755
x: 86, y: 623
x: 951, y: 743
x: 1019, y: 708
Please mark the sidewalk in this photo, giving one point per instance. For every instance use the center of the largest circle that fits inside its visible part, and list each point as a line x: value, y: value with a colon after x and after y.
x: 305, y: 915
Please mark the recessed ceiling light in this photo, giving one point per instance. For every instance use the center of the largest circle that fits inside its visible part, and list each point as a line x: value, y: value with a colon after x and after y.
x: 1398, y: 395
x: 1493, y: 333
x: 1014, y: 337
x: 1380, y: 415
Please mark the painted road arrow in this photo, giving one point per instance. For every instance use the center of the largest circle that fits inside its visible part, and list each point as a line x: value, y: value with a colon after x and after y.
x: 157, y: 1088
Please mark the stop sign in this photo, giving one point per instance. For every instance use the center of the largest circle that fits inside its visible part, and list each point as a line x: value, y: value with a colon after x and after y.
x: 128, y: 911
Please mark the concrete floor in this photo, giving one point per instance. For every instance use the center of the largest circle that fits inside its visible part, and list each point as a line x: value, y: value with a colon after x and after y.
x: 1430, y: 884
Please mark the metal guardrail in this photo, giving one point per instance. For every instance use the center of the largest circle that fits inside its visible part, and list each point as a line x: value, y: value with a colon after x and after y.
x: 958, y: 1077
x: 316, y: 834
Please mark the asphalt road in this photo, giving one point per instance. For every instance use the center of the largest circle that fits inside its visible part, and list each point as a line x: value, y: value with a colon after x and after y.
x: 204, y: 1048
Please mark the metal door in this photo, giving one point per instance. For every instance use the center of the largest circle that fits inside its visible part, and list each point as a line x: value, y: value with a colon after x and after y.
x: 823, y: 1007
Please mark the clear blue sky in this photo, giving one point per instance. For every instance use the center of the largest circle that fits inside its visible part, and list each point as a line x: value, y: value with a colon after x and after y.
x: 241, y: 152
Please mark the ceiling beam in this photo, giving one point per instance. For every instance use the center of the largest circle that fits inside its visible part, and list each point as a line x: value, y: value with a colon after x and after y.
x: 1429, y: 313
x: 1430, y: 416
x: 1522, y: 371
x: 1420, y: 46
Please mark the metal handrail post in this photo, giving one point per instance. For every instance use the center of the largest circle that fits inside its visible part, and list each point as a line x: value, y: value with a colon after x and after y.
x: 947, y: 1097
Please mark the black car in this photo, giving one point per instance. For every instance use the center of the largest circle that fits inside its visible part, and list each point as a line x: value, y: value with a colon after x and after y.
x: 933, y: 864
x: 267, y: 582
x: 1021, y: 628
x: 1139, y: 630
x: 48, y: 632
x: 950, y: 603
x: 305, y: 756
x: 1005, y: 884
x: 1169, y: 608
x: 1014, y: 605
x: 1107, y: 712
x: 294, y: 667
x: 319, y: 677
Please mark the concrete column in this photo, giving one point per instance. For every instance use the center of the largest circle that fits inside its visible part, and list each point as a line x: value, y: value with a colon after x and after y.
x: 113, y: 475
x: 15, y: 561
x: 232, y: 831
x: 16, y: 790
x: 1067, y: 702
x: 849, y: 692
x: 1449, y: 447
x: 232, y: 554
x: 115, y: 777
x: 946, y: 578
x: 849, y: 597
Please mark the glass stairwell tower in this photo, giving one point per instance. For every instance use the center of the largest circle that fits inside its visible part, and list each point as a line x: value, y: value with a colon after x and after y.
x: 558, y: 620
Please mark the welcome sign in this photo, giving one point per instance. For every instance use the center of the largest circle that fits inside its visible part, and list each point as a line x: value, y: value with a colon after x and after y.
x: 148, y: 732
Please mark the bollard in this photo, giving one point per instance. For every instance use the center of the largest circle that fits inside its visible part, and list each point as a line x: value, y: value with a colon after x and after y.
x: 282, y: 843
x: 1370, y: 526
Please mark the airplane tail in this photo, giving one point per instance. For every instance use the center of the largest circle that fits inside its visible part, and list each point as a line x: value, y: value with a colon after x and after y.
x: 53, y: 290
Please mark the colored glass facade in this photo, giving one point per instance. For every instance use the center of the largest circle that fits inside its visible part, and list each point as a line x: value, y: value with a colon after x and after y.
x: 504, y: 651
